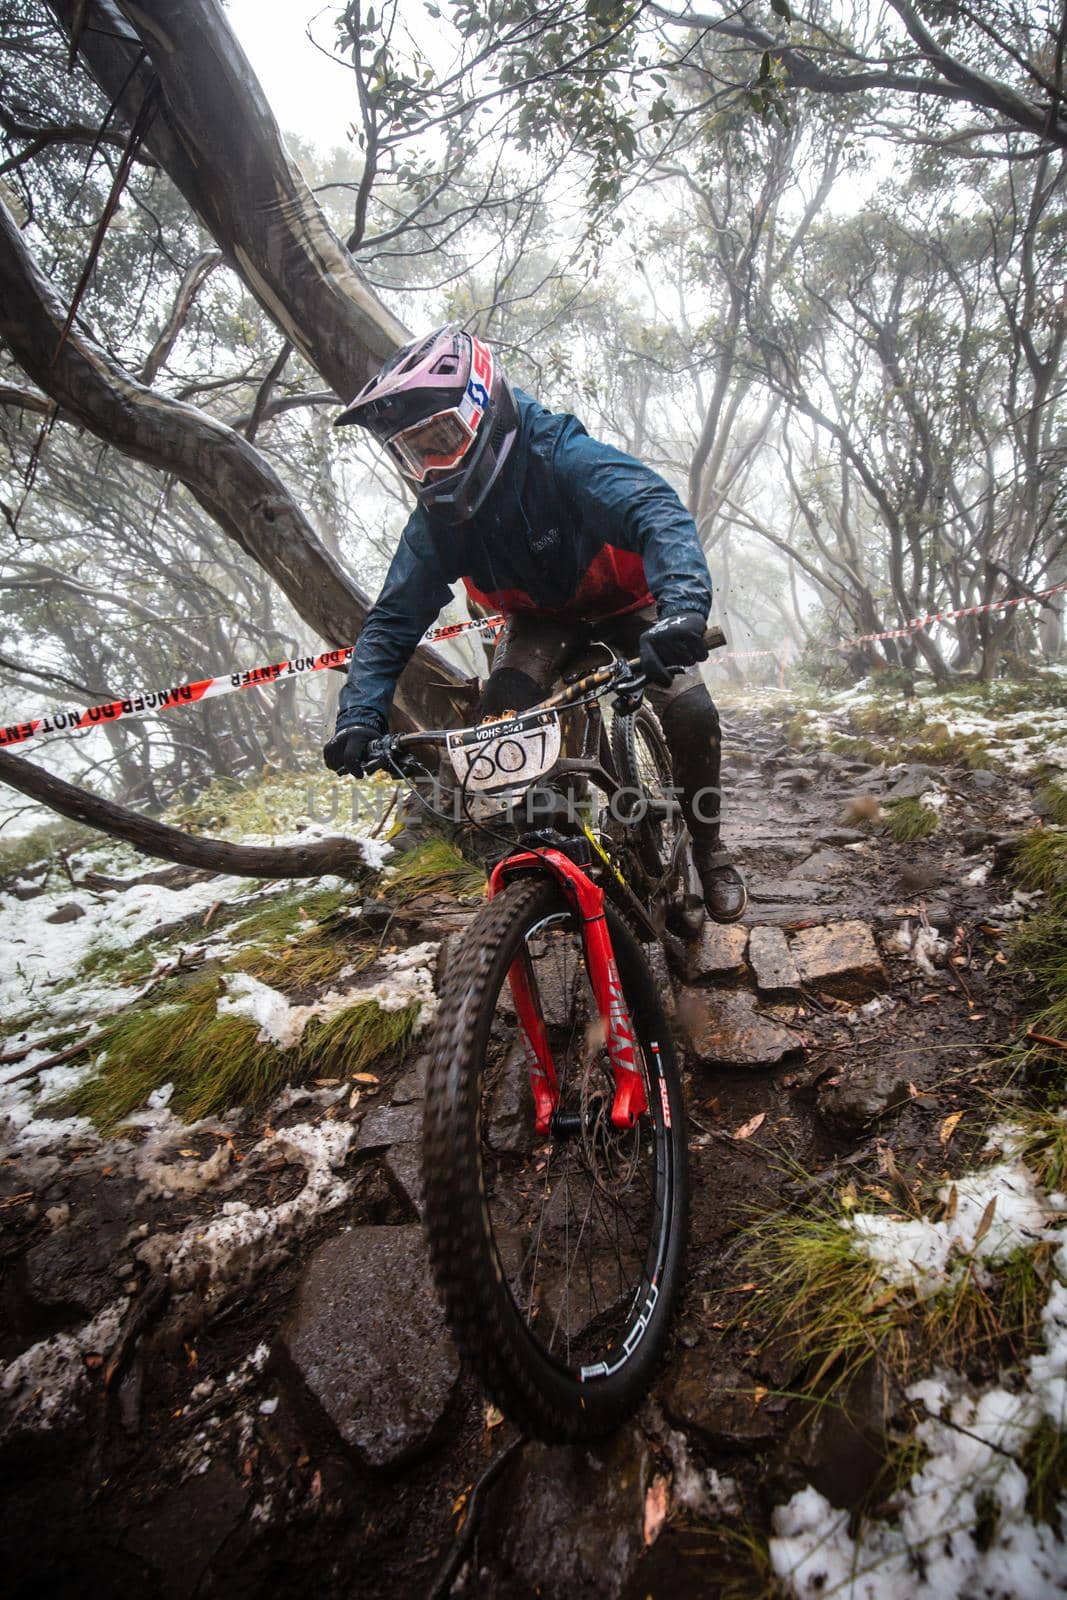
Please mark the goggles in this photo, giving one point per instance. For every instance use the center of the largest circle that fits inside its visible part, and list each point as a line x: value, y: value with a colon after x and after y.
x: 437, y: 444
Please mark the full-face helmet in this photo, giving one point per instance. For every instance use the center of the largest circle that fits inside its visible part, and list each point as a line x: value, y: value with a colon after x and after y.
x: 443, y: 409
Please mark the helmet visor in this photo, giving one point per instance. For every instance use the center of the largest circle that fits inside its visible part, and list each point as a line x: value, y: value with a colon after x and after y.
x: 435, y: 445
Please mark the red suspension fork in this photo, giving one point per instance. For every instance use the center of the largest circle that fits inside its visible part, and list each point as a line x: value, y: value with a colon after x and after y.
x: 630, y: 1099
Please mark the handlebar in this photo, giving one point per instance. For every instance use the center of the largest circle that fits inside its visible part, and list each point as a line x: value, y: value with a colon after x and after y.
x: 620, y: 673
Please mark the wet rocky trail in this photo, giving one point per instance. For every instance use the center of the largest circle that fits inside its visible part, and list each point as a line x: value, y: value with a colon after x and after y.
x: 226, y: 1369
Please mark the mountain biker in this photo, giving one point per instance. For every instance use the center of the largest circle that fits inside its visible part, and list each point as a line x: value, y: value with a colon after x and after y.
x: 560, y: 533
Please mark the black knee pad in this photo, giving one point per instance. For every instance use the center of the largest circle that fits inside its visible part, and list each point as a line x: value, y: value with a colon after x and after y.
x: 510, y: 689
x: 691, y: 715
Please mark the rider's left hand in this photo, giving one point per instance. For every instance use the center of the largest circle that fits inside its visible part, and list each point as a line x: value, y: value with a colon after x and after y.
x: 672, y: 643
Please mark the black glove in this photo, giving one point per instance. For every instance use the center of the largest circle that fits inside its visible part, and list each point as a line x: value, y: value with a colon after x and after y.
x: 346, y: 750
x: 671, y: 645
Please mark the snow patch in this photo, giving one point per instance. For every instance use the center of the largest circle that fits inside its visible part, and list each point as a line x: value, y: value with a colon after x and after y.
x: 409, y: 982
x: 914, y: 1250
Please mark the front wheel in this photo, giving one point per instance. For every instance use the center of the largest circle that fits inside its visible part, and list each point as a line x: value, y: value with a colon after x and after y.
x: 559, y: 1255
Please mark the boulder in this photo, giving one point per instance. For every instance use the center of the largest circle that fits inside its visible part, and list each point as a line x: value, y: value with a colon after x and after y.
x: 571, y: 1521
x: 719, y: 1401
x: 719, y: 953
x: 841, y: 836
x: 411, y: 1085
x: 511, y: 1115
x: 840, y: 958
x: 367, y: 1336
x: 774, y: 967
x: 723, y: 1026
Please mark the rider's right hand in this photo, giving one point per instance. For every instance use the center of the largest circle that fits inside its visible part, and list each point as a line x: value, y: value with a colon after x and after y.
x: 347, y: 749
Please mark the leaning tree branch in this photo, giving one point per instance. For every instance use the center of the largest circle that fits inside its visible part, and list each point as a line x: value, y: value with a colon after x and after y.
x: 227, y: 475
x: 310, y: 860
x: 196, y: 275
x: 217, y: 140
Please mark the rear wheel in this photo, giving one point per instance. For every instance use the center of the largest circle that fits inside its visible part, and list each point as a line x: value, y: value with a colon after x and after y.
x: 559, y: 1256
x: 643, y: 764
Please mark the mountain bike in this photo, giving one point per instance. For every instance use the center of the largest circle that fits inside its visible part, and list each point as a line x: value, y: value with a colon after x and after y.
x: 554, y: 1137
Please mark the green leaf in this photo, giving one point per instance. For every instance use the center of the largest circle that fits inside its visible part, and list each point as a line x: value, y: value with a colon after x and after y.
x: 781, y: 9
x: 765, y: 67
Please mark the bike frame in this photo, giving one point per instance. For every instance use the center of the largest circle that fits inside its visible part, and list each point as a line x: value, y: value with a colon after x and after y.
x: 587, y: 899
x: 630, y: 1099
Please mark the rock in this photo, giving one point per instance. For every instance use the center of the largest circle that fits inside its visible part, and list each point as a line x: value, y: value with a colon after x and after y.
x: 387, y: 1125
x: 841, y: 836
x: 511, y: 1117
x: 766, y: 888
x: 797, y: 778
x: 860, y: 1095
x: 69, y: 911
x: 719, y: 952
x: 841, y: 1449
x: 720, y: 1401
x: 572, y: 1520
x: 840, y: 958
x: 971, y: 840
x: 75, y: 1264
x: 917, y: 780
x: 821, y: 865
x: 768, y: 953
x: 368, y: 1337
x: 403, y: 1163
x: 984, y: 781
x: 411, y: 1085
x: 724, y: 1026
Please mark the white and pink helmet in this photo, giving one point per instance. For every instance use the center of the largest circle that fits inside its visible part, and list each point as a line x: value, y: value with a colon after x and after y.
x: 442, y: 408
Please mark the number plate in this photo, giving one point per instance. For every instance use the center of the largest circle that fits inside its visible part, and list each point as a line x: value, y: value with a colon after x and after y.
x: 501, y: 756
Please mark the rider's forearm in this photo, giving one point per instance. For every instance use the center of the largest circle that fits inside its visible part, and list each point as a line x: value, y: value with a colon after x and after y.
x: 412, y: 596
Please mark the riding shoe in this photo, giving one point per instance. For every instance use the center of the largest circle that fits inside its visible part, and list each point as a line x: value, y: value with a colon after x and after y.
x: 725, y: 894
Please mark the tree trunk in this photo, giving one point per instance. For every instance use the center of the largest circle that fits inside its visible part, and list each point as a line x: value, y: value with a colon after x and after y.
x: 229, y: 477
x: 217, y: 140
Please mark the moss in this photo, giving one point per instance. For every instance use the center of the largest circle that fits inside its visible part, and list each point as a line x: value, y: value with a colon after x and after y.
x: 909, y: 820
x: 435, y: 867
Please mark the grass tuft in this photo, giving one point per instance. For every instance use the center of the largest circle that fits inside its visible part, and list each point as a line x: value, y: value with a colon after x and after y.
x: 216, y: 1062
x: 1053, y: 800
x: 435, y: 867
x: 1044, y: 1462
x: 830, y: 1299
x: 909, y: 820
x: 1039, y: 861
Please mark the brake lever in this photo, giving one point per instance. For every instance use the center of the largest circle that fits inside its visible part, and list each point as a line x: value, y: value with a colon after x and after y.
x: 629, y: 693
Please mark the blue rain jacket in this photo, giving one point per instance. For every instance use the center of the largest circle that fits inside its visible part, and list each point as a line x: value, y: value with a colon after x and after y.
x: 573, y: 528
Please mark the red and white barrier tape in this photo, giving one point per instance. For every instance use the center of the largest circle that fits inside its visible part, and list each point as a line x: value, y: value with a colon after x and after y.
x: 143, y: 702
x: 951, y: 616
